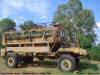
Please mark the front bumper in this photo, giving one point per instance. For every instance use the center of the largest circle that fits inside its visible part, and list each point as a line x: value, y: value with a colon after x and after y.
x: 84, y: 53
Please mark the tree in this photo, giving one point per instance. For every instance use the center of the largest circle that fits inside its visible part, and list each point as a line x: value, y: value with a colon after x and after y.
x: 27, y: 25
x: 7, y: 24
x: 78, y: 22
x: 86, y: 24
x: 98, y: 45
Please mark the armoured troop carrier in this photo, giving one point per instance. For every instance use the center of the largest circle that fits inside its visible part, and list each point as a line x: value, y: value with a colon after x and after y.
x: 40, y: 42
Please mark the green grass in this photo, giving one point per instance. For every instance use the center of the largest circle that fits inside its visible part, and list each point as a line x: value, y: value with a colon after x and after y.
x: 92, y: 68
x: 48, y: 67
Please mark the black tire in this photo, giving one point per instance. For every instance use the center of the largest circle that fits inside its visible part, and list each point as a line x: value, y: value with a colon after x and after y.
x: 28, y: 59
x: 41, y: 59
x: 66, y: 63
x: 77, y: 60
x: 11, y: 61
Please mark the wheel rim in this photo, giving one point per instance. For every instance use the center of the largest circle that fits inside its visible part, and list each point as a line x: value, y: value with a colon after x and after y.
x: 66, y: 64
x: 10, y: 61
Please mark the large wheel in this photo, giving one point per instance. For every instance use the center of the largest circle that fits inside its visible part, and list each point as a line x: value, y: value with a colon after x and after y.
x: 77, y: 60
x: 66, y: 63
x: 11, y: 61
x: 41, y: 59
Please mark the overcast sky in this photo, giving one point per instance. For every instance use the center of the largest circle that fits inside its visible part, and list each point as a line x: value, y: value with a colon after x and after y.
x: 41, y: 11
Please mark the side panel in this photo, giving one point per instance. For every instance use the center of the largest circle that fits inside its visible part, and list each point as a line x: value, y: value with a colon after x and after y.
x: 74, y: 50
x: 81, y: 52
x: 28, y: 49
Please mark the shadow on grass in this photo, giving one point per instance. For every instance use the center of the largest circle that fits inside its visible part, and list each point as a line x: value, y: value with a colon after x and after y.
x: 53, y: 64
x: 48, y: 64
x: 88, y: 65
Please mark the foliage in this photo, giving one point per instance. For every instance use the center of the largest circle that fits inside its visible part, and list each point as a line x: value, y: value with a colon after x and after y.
x: 7, y: 24
x: 78, y: 22
x: 85, y: 42
x: 27, y: 25
x: 94, y: 53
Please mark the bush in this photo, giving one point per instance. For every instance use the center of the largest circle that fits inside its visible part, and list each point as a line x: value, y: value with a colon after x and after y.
x: 94, y: 53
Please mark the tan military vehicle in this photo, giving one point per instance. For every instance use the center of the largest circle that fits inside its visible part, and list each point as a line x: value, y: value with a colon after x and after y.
x: 40, y: 42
